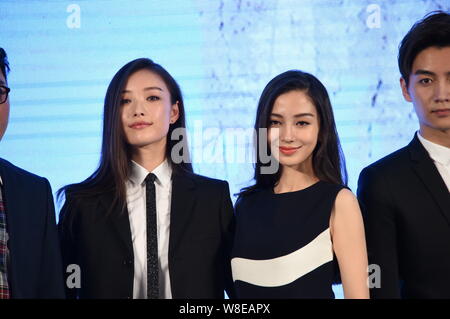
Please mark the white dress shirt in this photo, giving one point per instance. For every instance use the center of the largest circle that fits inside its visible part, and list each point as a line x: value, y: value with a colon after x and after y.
x: 440, y: 156
x: 136, y: 202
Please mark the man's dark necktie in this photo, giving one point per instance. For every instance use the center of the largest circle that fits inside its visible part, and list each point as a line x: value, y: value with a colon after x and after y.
x: 152, y: 239
x: 4, y: 287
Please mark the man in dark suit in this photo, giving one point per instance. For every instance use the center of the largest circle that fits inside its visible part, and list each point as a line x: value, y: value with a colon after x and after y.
x: 30, y: 262
x: 405, y: 196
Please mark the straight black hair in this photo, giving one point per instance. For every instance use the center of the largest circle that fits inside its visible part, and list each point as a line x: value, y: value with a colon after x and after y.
x: 115, y: 158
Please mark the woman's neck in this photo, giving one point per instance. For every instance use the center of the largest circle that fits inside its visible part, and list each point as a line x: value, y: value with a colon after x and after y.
x: 149, y: 157
x: 295, y: 178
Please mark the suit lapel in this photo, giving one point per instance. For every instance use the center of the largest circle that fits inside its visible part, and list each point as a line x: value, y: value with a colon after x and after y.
x: 120, y: 221
x: 11, y: 198
x: 182, y: 203
x: 426, y: 170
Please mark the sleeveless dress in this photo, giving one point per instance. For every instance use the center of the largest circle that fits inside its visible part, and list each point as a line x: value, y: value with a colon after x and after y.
x: 282, y: 246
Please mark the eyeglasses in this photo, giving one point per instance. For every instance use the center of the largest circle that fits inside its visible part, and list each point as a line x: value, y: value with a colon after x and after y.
x: 4, y: 93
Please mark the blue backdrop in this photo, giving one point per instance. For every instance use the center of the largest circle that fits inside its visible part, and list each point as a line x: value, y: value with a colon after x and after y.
x: 63, y: 55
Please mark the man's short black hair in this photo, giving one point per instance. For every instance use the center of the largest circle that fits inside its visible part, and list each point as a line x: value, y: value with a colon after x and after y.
x: 432, y: 31
x: 4, y: 66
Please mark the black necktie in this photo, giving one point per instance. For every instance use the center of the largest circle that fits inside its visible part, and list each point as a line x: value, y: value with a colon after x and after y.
x: 152, y: 239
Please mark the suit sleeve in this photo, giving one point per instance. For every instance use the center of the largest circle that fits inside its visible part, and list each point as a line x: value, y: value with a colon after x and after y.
x: 67, y: 242
x: 51, y: 277
x: 381, y: 233
x: 228, y: 225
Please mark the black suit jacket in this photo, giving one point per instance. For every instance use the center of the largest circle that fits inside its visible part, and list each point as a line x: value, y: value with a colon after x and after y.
x: 35, y: 260
x: 406, y: 207
x: 201, y: 233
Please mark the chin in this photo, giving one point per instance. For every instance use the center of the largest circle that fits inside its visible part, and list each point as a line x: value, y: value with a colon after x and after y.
x: 442, y: 125
x: 143, y: 142
x: 292, y: 162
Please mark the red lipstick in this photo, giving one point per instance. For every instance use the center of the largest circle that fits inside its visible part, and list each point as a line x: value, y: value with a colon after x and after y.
x: 288, y: 150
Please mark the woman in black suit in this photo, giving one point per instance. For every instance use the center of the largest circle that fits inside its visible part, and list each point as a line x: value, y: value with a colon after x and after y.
x: 133, y: 234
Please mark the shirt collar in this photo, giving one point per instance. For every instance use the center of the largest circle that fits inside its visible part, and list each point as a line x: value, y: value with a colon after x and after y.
x: 1, y: 182
x: 163, y: 173
x: 437, y: 152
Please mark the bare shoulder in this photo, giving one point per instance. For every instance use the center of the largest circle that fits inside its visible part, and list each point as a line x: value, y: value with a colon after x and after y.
x: 346, y: 199
x: 346, y: 209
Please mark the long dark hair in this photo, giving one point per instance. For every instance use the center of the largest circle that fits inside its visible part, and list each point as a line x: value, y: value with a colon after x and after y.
x: 328, y: 158
x: 114, y: 166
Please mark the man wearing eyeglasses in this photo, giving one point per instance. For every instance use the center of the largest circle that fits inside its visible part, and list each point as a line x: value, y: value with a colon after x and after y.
x: 4, y: 90
x: 30, y: 261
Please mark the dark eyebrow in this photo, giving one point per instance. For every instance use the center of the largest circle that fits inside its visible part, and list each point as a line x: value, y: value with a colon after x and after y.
x: 424, y: 72
x: 153, y: 88
x: 296, y: 115
x: 146, y: 89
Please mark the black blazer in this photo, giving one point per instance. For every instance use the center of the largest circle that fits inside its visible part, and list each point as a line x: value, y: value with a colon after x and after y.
x: 35, y: 261
x: 406, y: 207
x: 201, y: 233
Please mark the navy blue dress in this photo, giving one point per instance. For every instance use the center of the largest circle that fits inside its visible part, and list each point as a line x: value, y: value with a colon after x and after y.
x: 282, y: 246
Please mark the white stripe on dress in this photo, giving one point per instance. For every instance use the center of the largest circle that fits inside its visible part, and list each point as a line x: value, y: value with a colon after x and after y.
x: 285, y: 269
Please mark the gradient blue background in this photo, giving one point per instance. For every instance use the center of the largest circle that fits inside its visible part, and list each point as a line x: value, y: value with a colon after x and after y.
x: 222, y: 53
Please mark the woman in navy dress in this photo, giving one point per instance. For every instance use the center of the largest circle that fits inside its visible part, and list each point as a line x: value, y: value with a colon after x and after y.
x: 299, y: 227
